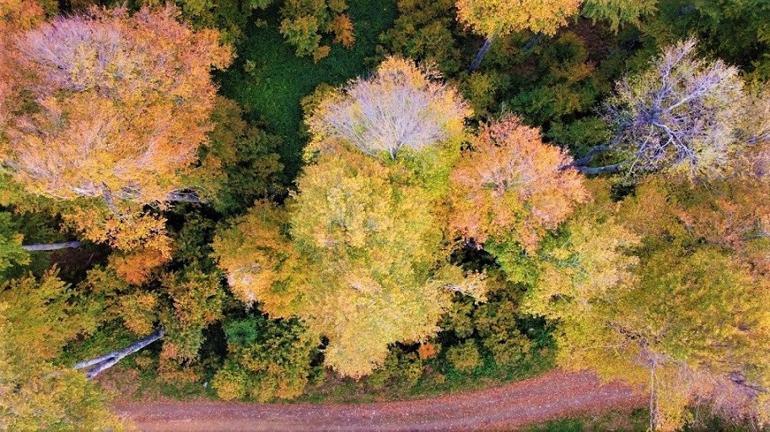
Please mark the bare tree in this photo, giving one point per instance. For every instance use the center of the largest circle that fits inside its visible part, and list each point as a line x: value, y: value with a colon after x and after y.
x: 682, y: 116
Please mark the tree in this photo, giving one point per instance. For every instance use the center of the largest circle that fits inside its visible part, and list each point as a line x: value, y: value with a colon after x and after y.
x: 195, y: 302
x: 239, y: 162
x: 618, y: 12
x: 140, y: 238
x: 510, y: 183
x: 734, y: 31
x: 304, y: 21
x: 11, y: 250
x: 15, y: 16
x: 360, y: 262
x: 257, y: 255
x: 499, y: 17
x: 656, y: 303
x: 565, y: 83
x: 400, y: 107
x: 230, y: 17
x: 681, y: 116
x: 267, y: 359
x: 496, y: 18
x: 424, y: 31
x: 37, y: 319
x: 85, y: 83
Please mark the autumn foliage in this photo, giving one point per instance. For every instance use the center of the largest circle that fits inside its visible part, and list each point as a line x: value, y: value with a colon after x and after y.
x: 400, y: 107
x: 511, y: 182
x: 117, y: 103
x: 412, y: 243
x: 500, y: 17
x: 681, y: 116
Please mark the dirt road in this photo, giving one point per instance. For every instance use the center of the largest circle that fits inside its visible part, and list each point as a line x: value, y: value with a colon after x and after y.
x: 553, y: 395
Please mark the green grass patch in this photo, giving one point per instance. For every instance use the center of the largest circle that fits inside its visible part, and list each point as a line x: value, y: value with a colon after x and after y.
x: 279, y: 79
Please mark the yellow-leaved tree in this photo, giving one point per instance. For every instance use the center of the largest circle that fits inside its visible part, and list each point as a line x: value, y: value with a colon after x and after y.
x: 665, y: 290
x: 363, y: 259
x: 37, y: 319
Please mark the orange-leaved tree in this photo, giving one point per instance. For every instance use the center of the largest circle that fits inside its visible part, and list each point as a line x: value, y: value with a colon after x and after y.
x: 108, y: 104
x: 511, y: 183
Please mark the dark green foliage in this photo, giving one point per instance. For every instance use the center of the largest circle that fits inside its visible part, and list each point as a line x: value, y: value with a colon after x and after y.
x: 401, y: 369
x: 229, y: 16
x: 239, y: 164
x: 499, y: 330
x: 464, y: 357
x: 276, y: 79
x: 11, y: 252
x: 736, y: 31
x: 425, y: 31
x: 192, y: 242
x: 481, y: 89
x: 565, y: 86
x: 580, y: 135
x: 267, y: 359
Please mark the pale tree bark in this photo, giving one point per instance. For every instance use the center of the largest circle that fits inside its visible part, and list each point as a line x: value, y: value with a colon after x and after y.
x: 98, y: 365
x: 481, y: 53
x: 190, y: 197
x: 653, y: 402
x: 608, y: 169
x: 38, y: 247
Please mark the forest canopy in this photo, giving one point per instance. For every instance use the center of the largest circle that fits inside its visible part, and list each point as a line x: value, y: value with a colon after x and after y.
x: 330, y: 200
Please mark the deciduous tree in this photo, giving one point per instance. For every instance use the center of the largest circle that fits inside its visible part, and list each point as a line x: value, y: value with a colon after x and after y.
x: 305, y: 21
x: 239, y: 162
x: 512, y: 184
x: 400, y: 107
x: 495, y: 18
x: 37, y: 318
x: 109, y: 104
x: 359, y: 262
x: 681, y: 116
x: 658, y: 302
x: 267, y: 359
x: 618, y: 12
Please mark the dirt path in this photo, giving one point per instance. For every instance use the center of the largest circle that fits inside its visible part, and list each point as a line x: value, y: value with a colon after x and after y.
x: 552, y: 395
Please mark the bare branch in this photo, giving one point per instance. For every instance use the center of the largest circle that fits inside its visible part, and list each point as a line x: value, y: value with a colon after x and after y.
x: 98, y: 365
x: 38, y: 247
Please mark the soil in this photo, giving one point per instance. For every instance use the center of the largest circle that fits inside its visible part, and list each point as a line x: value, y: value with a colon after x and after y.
x: 553, y: 395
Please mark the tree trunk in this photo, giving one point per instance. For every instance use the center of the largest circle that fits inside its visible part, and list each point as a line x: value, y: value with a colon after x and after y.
x: 532, y: 42
x: 37, y: 247
x: 590, y: 155
x: 481, y: 53
x: 98, y: 365
x: 190, y: 197
x: 609, y: 169
x: 653, y: 404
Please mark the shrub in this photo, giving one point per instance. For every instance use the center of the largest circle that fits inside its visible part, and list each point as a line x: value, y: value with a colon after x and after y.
x: 464, y: 357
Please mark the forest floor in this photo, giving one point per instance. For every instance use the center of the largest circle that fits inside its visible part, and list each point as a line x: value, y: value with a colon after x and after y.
x: 553, y: 395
